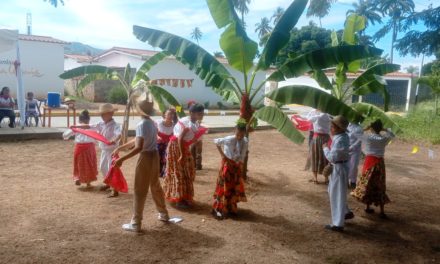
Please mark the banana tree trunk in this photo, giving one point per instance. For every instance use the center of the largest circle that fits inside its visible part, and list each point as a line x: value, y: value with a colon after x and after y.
x: 246, y: 113
x: 126, y: 121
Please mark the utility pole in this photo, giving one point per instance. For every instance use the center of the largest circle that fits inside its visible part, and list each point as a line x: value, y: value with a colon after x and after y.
x: 29, y: 23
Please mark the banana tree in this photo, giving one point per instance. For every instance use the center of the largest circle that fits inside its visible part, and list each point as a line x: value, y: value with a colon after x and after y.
x: 338, y: 89
x: 241, y: 51
x: 133, y: 85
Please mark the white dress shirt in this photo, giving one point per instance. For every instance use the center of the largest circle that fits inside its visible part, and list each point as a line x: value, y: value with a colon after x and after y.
x: 186, y: 123
x: 79, y: 138
x: 110, y: 131
x: 234, y: 149
x: 375, y: 143
x: 321, y: 121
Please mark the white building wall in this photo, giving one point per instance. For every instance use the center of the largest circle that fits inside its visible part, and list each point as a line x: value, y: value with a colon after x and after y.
x: 172, y: 69
x: 41, y: 64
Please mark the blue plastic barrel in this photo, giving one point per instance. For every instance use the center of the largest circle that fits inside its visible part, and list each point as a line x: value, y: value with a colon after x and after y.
x: 53, y: 99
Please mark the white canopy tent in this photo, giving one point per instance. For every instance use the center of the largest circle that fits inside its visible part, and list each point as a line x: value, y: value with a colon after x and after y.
x: 8, y: 42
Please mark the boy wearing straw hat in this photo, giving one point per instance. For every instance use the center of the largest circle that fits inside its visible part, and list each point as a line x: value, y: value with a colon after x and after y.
x: 112, y: 132
x: 147, y: 170
x: 337, y: 188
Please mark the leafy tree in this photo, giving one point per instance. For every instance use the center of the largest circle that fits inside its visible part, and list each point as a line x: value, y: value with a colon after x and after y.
x: 421, y: 42
x: 433, y: 82
x: 319, y: 9
x: 308, y: 38
x: 133, y: 85
x: 396, y: 10
x: 279, y: 12
x: 196, y: 34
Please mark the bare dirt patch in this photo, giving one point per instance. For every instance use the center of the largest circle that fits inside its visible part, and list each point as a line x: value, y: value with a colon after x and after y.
x: 46, y: 219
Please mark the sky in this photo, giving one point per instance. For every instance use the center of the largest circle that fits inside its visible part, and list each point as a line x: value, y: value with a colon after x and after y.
x: 108, y: 23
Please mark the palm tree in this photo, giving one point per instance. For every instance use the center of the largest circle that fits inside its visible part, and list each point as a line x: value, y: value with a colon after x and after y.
x: 196, y: 34
x: 319, y: 9
x: 279, y: 12
x: 397, y: 11
x: 242, y: 7
x: 369, y: 10
x: 55, y: 2
x: 263, y: 28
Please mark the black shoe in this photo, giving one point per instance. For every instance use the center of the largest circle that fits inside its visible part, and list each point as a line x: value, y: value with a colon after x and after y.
x: 352, y: 185
x: 334, y: 228
x: 11, y: 125
x: 369, y: 211
x: 77, y: 182
x: 383, y: 216
x: 349, y: 216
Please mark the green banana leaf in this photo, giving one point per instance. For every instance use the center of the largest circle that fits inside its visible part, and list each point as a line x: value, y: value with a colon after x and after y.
x: 374, y: 86
x: 322, y: 79
x: 371, y: 113
x: 239, y: 49
x: 206, y: 66
x: 313, y: 97
x: 84, y: 70
x: 89, y: 78
x: 141, y: 74
x: 280, y: 35
x: 353, y: 24
x: 322, y: 59
x: 379, y: 69
x: 164, y: 99
x: 432, y: 81
x: 280, y: 121
x: 222, y: 11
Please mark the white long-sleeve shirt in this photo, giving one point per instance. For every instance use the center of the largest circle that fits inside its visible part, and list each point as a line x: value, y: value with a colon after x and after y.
x: 355, y: 133
x: 186, y: 123
x: 374, y: 144
x: 232, y: 148
x: 339, y: 149
x: 110, y: 131
x: 321, y: 121
x: 79, y: 138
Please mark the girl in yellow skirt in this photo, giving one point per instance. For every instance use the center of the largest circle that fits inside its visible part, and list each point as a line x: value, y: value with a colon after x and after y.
x: 230, y: 185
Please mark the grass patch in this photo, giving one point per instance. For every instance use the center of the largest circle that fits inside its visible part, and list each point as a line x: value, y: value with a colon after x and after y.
x: 420, y: 124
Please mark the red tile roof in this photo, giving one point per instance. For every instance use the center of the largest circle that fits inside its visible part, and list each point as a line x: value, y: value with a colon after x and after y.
x: 41, y: 39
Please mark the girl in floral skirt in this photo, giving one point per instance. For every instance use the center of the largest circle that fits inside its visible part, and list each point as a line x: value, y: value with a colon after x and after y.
x: 230, y: 185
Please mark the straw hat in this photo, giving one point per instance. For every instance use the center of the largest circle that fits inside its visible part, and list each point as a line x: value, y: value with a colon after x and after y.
x: 107, y: 108
x: 144, y: 105
x: 341, y: 122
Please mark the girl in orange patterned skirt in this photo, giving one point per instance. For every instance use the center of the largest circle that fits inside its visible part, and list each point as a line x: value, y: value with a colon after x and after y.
x: 180, y: 170
x: 230, y: 185
x: 85, y: 167
x: 371, y: 187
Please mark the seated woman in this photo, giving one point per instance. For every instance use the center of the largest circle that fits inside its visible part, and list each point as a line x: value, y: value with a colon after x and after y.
x: 7, y: 106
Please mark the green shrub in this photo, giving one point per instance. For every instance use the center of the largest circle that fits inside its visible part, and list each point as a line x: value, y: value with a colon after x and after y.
x: 420, y: 124
x: 117, y: 95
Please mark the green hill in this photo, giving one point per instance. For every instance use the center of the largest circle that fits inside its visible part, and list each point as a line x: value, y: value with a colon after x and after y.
x: 80, y: 48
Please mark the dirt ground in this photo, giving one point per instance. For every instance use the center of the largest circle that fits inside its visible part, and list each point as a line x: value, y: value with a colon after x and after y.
x: 45, y: 218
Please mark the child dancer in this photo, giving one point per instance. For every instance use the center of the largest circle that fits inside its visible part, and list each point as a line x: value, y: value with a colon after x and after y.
x: 32, y: 109
x: 371, y: 187
x: 7, y: 106
x: 337, y: 188
x: 230, y: 185
x: 165, y: 132
x: 112, y: 132
x: 355, y: 133
x: 147, y: 168
x: 180, y: 171
x: 321, y: 129
x: 85, y: 169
